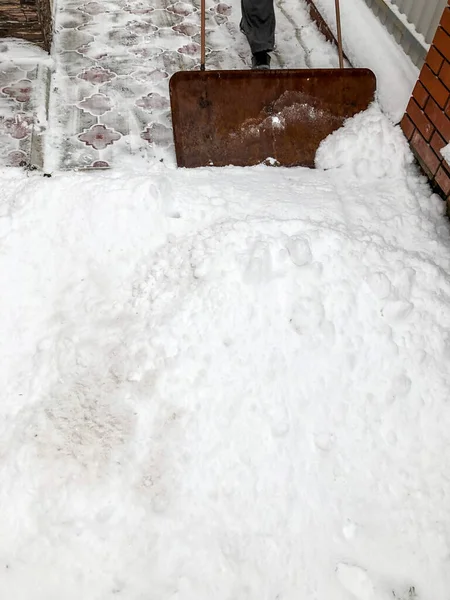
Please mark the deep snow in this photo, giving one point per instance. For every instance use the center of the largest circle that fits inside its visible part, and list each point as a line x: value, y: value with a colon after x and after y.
x: 227, y: 383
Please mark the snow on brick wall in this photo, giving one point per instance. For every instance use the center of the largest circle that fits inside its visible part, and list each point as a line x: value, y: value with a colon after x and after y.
x: 426, y: 123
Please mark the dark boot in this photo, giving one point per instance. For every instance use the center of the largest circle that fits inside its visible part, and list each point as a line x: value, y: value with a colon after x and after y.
x: 260, y: 60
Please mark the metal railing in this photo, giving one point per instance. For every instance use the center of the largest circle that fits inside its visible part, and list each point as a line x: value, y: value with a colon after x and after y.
x: 413, y: 23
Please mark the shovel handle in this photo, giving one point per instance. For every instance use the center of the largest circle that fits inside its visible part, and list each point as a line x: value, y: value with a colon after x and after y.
x: 202, y: 34
x: 339, y: 34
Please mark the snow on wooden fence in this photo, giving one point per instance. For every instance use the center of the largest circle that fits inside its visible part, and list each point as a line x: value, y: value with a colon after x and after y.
x: 413, y: 23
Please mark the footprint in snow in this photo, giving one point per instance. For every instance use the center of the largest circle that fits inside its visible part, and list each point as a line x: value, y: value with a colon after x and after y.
x: 358, y: 583
x: 380, y: 285
x: 400, y: 388
x: 299, y: 250
x: 260, y: 265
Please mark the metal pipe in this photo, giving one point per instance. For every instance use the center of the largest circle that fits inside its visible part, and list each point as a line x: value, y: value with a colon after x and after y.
x: 203, y: 34
x: 339, y: 35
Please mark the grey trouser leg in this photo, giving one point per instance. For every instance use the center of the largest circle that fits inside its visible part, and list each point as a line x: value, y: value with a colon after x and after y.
x: 258, y: 24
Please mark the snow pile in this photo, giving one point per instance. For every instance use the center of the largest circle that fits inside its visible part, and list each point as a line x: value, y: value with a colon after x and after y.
x: 367, y: 146
x: 226, y: 383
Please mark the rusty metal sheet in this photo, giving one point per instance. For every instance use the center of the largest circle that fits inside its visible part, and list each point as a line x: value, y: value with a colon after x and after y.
x: 245, y: 118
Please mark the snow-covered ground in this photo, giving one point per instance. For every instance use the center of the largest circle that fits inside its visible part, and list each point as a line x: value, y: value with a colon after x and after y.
x: 227, y: 383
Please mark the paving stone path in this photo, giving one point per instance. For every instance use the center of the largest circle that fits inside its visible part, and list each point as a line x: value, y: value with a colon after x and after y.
x: 105, y: 91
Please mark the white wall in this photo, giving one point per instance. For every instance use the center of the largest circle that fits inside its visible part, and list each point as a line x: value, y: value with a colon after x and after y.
x: 413, y: 23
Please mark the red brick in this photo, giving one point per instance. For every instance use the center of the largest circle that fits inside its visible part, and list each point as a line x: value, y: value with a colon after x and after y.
x: 425, y: 154
x: 442, y: 43
x: 407, y: 127
x: 442, y: 178
x: 445, y: 20
x: 420, y: 94
x: 432, y: 83
x: 422, y: 122
x: 439, y: 119
x: 437, y: 143
x: 447, y: 109
x: 444, y: 74
x: 434, y: 60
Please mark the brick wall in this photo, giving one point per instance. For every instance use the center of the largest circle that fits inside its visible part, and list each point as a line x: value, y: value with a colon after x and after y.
x: 27, y: 19
x: 426, y: 123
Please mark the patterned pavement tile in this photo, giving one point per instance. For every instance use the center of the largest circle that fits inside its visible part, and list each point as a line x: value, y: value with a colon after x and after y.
x: 21, y: 119
x: 114, y: 60
x: 109, y: 91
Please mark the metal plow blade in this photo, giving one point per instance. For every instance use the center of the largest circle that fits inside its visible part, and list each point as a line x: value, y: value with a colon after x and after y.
x: 244, y: 118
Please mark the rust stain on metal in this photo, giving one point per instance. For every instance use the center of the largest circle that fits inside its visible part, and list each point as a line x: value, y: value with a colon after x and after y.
x: 243, y: 118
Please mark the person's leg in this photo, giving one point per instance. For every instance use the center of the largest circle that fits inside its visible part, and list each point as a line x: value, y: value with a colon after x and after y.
x: 258, y: 24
